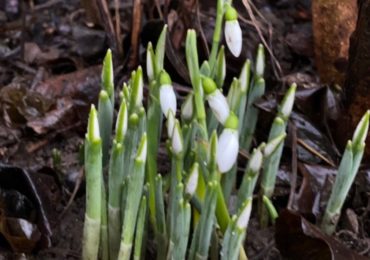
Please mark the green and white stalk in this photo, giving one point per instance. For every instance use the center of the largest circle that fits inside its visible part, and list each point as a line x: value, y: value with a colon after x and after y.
x: 216, y: 34
x: 193, y: 66
x: 105, y: 117
x: 347, y: 171
x: 202, y: 234
x: 251, y: 115
x: 134, y: 194
x: 154, y: 118
x: 93, y: 173
x: 235, y: 233
x: 139, y: 250
x: 107, y: 76
x: 161, y: 229
x: 220, y: 69
x: 244, y: 79
x: 116, y: 177
x: 271, y: 164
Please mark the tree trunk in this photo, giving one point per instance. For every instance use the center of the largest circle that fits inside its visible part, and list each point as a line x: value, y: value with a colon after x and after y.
x: 357, y: 84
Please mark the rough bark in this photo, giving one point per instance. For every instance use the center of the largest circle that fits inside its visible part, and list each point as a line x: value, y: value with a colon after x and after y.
x: 333, y: 22
x: 357, y: 84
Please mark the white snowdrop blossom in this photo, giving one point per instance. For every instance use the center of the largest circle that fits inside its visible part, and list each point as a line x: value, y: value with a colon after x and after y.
x: 273, y: 144
x: 288, y: 102
x: 255, y: 163
x: 192, y: 182
x: 227, y: 149
x: 177, y: 145
x: 233, y: 36
x: 219, y: 105
x: 170, y: 123
x: 243, y: 219
x: 139, y: 98
x: 149, y: 65
x: 187, y: 107
x: 167, y: 98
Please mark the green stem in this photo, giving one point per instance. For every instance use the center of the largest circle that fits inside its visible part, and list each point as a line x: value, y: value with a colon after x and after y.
x: 216, y: 34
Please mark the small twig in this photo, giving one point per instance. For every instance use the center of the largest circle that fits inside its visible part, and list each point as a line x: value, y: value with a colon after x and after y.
x: 46, y: 5
x: 118, y: 26
x: 106, y: 18
x: 314, y: 152
x: 278, y: 71
x: 73, y: 195
x: 136, y: 25
x: 293, y: 179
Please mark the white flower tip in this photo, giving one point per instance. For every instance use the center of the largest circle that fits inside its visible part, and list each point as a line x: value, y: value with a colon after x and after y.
x: 287, y: 106
x: 142, y: 151
x: 93, y: 132
x: 243, y: 219
x: 227, y: 149
x: 192, y: 183
x: 233, y: 36
x: 149, y: 62
x: 255, y: 162
x: 260, y: 60
x: 170, y: 123
x: 362, y: 128
x: 273, y: 144
x: 187, y: 107
x: 177, y: 145
x: 167, y: 99
x: 244, y: 76
x: 219, y: 105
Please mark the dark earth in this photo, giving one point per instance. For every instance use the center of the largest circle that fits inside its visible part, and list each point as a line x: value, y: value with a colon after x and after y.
x: 50, y: 56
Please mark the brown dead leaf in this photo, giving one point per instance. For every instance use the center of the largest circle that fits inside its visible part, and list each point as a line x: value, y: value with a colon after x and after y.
x: 296, y: 238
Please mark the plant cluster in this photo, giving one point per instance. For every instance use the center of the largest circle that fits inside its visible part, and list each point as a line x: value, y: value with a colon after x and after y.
x: 185, y: 208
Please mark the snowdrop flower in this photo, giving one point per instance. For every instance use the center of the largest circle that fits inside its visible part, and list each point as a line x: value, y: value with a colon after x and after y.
x: 170, y: 123
x: 273, y: 145
x: 288, y: 102
x: 243, y: 219
x: 140, y: 82
x: 244, y: 76
x: 177, y: 144
x: 150, y: 62
x: 192, y: 183
x: 260, y: 61
x: 227, y: 149
x: 233, y: 32
x: 255, y: 163
x: 167, y: 96
x: 216, y: 100
x: 187, y: 107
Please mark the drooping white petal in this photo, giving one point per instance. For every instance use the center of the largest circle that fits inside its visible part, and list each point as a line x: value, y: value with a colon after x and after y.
x: 233, y: 36
x: 167, y: 98
x: 244, y: 217
x: 192, y: 182
x: 219, y: 106
x: 255, y: 162
x: 227, y: 149
x: 177, y: 145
